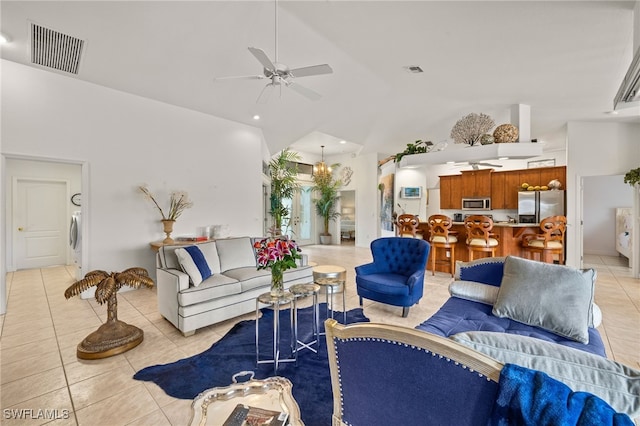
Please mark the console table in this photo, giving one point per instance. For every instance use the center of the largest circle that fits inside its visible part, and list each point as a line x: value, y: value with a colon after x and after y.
x: 155, y: 245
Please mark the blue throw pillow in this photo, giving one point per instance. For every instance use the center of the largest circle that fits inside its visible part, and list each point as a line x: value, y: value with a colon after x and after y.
x: 194, y: 264
x: 487, y: 270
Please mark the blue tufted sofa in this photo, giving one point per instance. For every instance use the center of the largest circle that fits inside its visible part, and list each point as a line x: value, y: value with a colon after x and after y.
x: 474, y: 316
x: 474, y: 292
x: 396, y: 275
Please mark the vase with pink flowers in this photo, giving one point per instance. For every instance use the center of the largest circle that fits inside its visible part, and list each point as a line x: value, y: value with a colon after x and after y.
x: 277, y: 254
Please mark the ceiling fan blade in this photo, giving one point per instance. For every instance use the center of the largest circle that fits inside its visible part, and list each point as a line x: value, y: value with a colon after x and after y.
x: 264, y: 96
x: 312, y: 70
x: 241, y: 77
x: 305, y: 91
x: 263, y: 58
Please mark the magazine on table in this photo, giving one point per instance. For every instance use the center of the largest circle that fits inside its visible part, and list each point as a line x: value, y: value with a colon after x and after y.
x: 246, y: 415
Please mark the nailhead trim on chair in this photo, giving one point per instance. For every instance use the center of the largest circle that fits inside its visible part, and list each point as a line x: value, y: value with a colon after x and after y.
x: 393, y: 342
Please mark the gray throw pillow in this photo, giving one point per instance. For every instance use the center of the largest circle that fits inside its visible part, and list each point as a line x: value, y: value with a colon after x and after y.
x: 235, y: 253
x: 615, y: 383
x: 476, y: 292
x: 556, y: 298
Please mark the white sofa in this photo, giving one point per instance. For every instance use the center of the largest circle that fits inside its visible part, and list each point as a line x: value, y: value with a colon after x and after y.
x: 227, y: 294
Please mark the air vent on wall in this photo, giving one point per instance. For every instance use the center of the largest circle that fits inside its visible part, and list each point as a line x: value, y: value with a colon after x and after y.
x: 54, y: 49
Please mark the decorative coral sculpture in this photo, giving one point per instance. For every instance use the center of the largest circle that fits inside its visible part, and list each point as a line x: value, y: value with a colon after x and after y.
x: 469, y: 129
x: 114, y: 336
x: 505, y: 133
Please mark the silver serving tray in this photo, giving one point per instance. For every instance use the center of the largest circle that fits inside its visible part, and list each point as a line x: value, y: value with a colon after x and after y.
x: 213, y: 406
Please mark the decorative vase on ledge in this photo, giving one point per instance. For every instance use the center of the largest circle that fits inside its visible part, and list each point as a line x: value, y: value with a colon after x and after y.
x: 168, y: 229
x: 277, y: 282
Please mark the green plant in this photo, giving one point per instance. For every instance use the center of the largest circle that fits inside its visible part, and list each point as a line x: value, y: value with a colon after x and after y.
x: 632, y: 177
x: 418, y: 147
x: 284, y: 184
x: 328, y: 190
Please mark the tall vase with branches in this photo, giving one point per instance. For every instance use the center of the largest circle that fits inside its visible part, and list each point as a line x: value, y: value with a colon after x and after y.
x: 284, y: 184
x: 328, y: 190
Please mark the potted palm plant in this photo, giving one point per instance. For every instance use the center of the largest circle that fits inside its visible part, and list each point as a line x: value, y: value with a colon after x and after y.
x: 328, y: 190
x: 284, y: 184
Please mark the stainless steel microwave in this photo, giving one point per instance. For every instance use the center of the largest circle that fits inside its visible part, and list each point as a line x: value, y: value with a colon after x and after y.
x: 476, y: 204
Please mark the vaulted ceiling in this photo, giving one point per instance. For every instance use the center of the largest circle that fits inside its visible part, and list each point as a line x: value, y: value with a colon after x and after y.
x: 564, y: 59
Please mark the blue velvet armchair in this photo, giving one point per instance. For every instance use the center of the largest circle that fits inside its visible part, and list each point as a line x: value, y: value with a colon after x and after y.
x: 396, y: 275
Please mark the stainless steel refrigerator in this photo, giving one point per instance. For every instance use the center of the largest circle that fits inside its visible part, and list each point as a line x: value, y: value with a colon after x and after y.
x: 533, y: 206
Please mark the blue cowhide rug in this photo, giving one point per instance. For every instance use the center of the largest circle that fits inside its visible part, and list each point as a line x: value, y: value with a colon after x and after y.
x: 236, y: 352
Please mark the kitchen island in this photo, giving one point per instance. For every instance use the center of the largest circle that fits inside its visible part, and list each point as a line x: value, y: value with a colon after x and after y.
x: 509, y: 236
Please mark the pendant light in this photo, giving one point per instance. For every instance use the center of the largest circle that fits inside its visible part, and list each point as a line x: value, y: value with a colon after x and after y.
x: 321, y: 169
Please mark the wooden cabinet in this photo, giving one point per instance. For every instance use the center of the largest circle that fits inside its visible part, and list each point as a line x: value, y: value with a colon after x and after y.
x: 476, y: 183
x: 547, y: 174
x: 497, y: 191
x: 511, y: 188
x: 502, y: 187
x: 536, y: 177
x: 504, y: 190
x: 543, y: 175
x: 530, y: 176
x: 451, y: 192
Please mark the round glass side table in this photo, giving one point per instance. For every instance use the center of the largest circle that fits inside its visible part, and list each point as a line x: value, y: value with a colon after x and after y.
x: 332, y: 285
x: 275, y: 302
x: 299, y: 291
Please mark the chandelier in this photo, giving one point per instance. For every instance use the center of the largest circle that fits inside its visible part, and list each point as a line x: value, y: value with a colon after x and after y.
x: 321, y: 169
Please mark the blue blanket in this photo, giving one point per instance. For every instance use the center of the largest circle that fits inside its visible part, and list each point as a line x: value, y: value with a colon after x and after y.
x: 529, y: 397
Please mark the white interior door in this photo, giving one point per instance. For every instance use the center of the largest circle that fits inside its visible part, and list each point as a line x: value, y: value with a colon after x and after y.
x: 40, y: 222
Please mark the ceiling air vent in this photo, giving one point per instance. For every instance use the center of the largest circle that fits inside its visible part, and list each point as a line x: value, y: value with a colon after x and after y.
x: 54, y: 49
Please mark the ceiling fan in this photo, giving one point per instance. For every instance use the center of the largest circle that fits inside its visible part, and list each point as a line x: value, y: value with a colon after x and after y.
x: 280, y: 74
x: 476, y: 165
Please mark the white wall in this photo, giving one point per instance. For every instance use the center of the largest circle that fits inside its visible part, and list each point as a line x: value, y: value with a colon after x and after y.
x: 127, y: 141
x: 599, y: 232
x: 411, y: 177
x: 595, y: 149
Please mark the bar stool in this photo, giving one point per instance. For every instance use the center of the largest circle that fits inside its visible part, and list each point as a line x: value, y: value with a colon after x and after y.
x: 549, y: 242
x: 440, y: 237
x: 407, y: 225
x: 479, y: 235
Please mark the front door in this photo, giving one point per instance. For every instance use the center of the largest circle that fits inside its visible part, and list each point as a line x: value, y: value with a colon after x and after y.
x: 301, y: 226
x: 40, y: 223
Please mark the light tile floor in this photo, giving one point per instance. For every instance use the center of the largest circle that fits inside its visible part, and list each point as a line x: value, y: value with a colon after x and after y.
x: 39, y: 369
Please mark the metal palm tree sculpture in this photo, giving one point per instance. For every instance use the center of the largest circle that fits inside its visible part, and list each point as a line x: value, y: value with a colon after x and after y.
x: 114, y: 336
